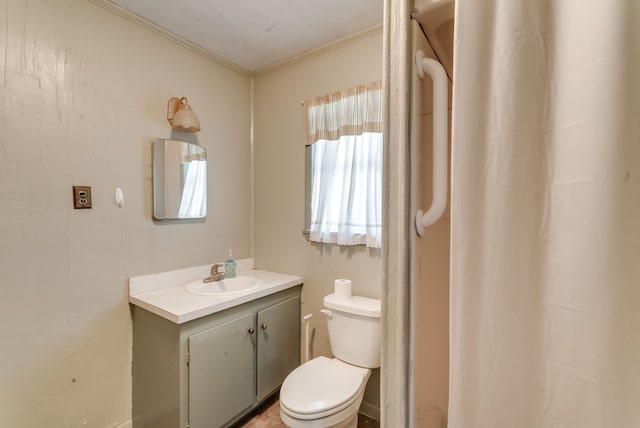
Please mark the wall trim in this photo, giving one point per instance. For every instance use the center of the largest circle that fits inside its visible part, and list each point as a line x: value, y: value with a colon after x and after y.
x: 126, y: 424
x: 370, y: 410
x: 144, y: 23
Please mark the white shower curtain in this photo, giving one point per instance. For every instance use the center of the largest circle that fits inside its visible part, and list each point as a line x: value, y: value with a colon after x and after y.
x: 545, y: 257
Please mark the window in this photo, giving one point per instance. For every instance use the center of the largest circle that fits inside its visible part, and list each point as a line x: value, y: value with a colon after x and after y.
x: 344, y: 167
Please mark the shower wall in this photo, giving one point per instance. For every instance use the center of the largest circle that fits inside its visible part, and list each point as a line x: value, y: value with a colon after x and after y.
x: 430, y: 287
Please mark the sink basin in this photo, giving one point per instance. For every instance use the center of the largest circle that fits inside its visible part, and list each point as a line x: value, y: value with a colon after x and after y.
x: 224, y: 287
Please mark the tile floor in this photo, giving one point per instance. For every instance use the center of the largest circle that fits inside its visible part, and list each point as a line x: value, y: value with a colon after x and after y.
x: 269, y: 417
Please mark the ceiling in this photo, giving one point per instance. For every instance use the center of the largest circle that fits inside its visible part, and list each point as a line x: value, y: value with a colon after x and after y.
x: 255, y: 34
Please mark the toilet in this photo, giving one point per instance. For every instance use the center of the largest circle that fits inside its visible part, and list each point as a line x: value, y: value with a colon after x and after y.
x: 327, y: 392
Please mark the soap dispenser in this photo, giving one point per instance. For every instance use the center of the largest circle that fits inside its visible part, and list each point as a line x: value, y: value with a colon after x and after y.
x: 230, y: 266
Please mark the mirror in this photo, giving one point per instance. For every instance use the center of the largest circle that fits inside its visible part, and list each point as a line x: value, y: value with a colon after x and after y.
x: 179, y: 180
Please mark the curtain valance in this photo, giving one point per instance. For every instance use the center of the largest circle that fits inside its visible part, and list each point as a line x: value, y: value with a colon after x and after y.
x: 353, y: 111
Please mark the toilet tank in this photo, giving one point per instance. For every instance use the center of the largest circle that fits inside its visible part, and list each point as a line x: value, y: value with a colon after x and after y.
x: 354, y: 329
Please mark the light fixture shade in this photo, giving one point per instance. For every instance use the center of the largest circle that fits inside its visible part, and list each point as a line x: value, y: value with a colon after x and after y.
x: 181, y: 117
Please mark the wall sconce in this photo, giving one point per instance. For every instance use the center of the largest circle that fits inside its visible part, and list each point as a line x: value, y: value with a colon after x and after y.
x: 180, y: 115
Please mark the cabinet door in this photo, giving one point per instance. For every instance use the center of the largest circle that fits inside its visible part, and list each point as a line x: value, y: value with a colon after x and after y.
x: 221, y: 372
x: 278, y: 344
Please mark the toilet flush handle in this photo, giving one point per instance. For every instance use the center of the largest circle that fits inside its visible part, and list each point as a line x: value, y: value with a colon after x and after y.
x: 327, y: 313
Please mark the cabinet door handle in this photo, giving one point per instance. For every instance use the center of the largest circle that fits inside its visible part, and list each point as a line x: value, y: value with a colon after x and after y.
x: 264, y: 326
x: 251, y: 330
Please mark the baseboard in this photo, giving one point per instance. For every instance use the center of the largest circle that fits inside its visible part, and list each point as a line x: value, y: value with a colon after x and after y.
x: 370, y: 410
x: 125, y: 424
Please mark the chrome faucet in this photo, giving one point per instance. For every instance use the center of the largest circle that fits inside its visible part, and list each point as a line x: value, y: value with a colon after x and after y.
x: 215, y: 275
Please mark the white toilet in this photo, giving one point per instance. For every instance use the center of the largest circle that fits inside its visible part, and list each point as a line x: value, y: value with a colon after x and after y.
x: 327, y: 392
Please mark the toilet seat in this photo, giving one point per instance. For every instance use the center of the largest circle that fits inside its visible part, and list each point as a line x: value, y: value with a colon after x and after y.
x: 322, y: 387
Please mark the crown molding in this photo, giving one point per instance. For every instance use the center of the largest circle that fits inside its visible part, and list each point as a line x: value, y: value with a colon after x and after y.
x: 144, y: 23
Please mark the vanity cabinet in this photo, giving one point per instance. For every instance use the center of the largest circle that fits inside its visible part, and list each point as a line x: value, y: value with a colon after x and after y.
x: 209, y: 372
x: 275, y: 335
x: 221, y: 372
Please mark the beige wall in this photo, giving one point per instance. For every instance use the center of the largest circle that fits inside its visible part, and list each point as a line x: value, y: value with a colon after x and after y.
x: 279, y: 183
x: 82, y: 94
x: 430, y: 295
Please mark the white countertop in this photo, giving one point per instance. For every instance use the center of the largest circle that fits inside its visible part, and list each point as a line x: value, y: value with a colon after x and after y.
x: 165, y: 295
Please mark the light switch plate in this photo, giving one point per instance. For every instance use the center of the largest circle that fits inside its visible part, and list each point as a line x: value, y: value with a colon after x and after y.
x: 81, y: 197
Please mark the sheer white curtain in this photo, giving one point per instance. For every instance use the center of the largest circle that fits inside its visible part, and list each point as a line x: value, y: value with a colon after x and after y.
x: 545, y: 257
x: 344, y: 129
x: 193, y: 199
x: 346, y: 195
x: 193, y: 202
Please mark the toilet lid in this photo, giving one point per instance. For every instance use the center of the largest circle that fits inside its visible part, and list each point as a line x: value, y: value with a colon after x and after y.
x: 320, y: 385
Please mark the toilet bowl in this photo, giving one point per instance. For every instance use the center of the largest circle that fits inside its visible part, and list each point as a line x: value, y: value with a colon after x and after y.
x: 323, y: 389
x: 326, y: 392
